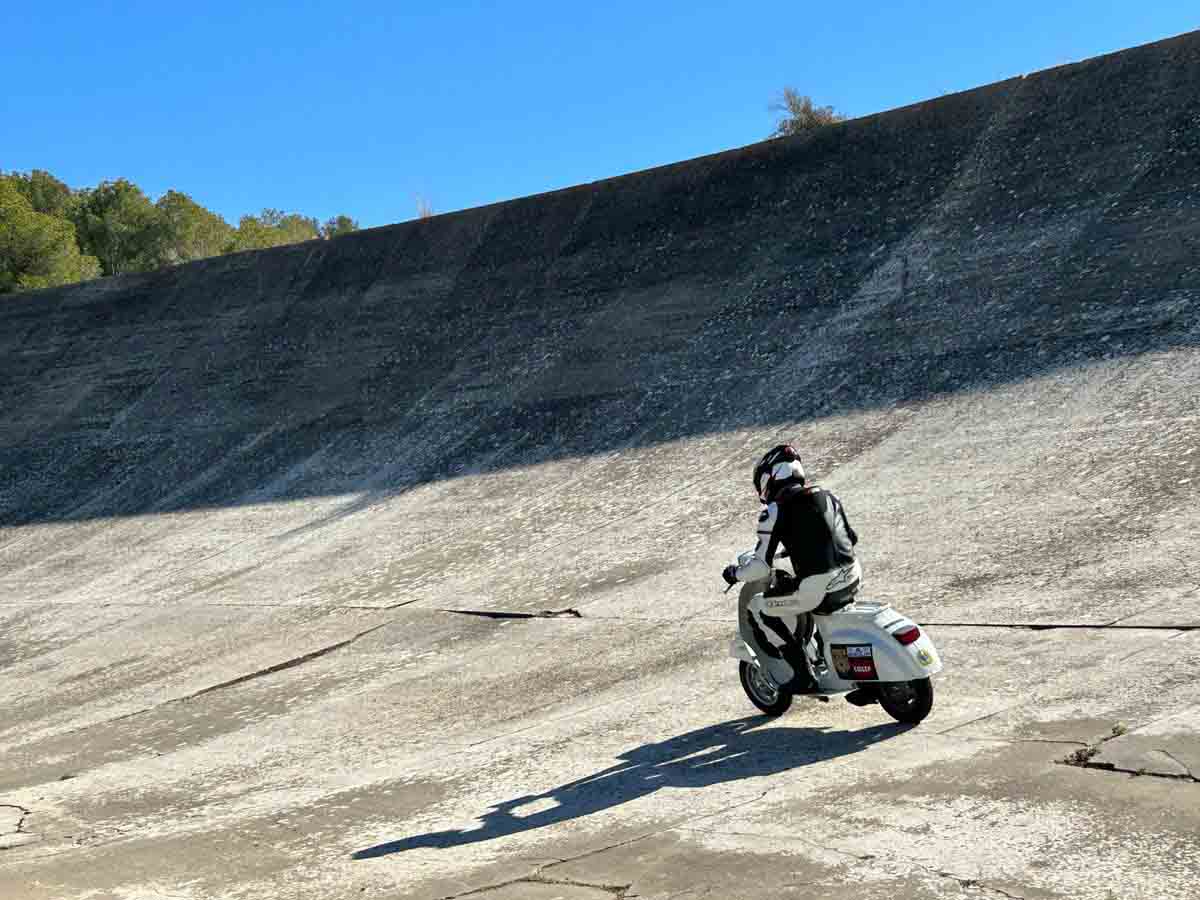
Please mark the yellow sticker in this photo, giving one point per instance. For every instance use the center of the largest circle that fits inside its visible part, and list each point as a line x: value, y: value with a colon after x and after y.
x: 924, y: 657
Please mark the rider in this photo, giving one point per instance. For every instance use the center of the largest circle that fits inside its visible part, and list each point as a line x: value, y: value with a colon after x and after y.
x: 811, y: 525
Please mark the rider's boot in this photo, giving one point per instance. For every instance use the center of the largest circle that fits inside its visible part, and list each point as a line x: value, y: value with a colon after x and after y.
x: 803, y: 683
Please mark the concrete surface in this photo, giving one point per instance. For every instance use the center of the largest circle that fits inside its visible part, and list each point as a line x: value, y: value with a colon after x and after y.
x: 276, y: 529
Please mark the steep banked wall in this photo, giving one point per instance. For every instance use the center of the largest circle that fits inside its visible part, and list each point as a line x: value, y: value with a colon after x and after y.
x: 984, y: 237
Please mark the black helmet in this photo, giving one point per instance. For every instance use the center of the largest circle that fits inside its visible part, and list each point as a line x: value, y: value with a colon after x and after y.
x: 780, y: 464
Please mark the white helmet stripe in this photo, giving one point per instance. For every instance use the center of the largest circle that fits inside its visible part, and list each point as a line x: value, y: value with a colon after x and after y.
x: 788, y: 469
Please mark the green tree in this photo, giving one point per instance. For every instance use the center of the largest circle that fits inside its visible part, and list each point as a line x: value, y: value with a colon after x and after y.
x: 45, y: 193
x: 118, y: 228
x: 337, y: 226
x: 295, y: 228
x: 798, y: 115
x: 273, y: 228
x: 37, y: 250
x: 119, y: 225
x: 251, y: 234
x: 187, y: 231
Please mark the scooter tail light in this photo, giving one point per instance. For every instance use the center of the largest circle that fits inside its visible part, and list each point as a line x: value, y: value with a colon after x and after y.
x: 907, y: 635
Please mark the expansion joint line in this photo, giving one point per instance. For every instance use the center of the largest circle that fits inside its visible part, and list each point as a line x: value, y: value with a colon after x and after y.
x: 1061, y: 626
x: 572, y: 613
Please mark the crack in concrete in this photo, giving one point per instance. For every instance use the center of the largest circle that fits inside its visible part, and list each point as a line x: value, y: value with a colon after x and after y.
x: 569, y: 613
x: 1137, y: 773
x: 241, y: 679
x: 982, y: 718
x: 281, y: 666
x: 1155, y: 647
x: 861, y: 857
x: 605, y: 849
x: 1185, y: 766
x: 1082, y: 758
x: 1188, y: 596
x: 618, y: 891
x: 621, y: 891
x: 21, y: 821
x: 213, y: 604
x: 968, y: 882
x: 20, y: 829
x: 389, y: 606
x: 572, y: 613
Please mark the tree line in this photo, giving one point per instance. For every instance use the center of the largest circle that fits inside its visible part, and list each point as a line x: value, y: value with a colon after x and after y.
x: 51, y: 234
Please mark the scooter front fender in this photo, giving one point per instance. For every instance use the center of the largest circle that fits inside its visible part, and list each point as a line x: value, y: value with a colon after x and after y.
x: 740, y: 650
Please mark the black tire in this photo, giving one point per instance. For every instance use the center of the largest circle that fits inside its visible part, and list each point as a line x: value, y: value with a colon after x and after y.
x: 907, y: 701
x: 772, y: 703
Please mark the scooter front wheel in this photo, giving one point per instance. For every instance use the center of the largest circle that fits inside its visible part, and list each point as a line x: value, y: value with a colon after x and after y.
x: 763, y: 692
x: 907, y: 701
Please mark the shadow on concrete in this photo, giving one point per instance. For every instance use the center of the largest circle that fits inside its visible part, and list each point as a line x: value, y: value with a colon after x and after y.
x: 714, y: 755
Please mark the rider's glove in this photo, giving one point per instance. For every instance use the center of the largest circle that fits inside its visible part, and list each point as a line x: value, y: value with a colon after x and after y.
x: 730, y: 575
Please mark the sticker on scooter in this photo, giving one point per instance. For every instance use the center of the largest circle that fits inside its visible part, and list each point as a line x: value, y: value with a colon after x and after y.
x: 854, y: 662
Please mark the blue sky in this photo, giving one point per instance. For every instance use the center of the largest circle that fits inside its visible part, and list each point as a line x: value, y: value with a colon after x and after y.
x: 362, y: 107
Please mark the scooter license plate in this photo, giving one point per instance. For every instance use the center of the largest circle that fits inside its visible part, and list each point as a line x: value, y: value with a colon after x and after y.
x: 854, y: 662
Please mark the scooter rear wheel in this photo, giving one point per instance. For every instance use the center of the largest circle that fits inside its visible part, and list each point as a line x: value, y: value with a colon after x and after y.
x: 772, y: 700
x: 907, y: 701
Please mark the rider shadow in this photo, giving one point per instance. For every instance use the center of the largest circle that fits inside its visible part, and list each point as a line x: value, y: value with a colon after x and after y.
x: 719, y: 753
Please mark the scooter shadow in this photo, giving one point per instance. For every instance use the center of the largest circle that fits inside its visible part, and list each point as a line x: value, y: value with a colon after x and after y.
x: 698, y: 759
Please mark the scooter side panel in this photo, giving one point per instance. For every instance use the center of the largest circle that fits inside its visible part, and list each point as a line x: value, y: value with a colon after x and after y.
x: 887, y: 659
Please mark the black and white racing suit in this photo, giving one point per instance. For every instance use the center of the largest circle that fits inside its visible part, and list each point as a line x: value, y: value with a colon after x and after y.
x: 810, y: 523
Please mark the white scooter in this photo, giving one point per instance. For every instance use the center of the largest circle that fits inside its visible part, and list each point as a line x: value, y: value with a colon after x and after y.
x: 865, y: 650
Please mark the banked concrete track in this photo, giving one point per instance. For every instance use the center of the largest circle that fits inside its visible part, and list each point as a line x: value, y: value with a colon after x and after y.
x: 240, y: 498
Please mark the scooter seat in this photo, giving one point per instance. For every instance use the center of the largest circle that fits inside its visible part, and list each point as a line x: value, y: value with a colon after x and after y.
x: 836, y: 600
